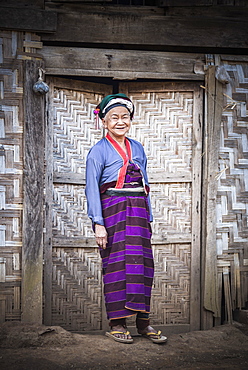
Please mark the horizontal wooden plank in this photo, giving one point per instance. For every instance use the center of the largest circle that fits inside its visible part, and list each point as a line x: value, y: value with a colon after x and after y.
x: 77, y: 242
x: 154, y: 178
x: 125, y: 64
x: 161, y: 87
x: 184, y: 3
x: 27, y: 19
x: 218, y: 11
x: 69, y: 178
x: 32, y: 44
x: 210, y: 4
x: 158, y: 30
x: 82, y: 1
x: 157, y: 178
x: 175, y: 239
x: 24, y: 3
x: 234, y: 58
x: 83, y: 242
x: 122, y: 75
x: 84, y: 86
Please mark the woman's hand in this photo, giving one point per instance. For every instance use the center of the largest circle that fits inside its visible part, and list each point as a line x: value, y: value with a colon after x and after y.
x: 101, y: 235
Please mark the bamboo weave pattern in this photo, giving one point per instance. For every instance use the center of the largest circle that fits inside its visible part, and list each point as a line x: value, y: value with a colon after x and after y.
x: 232, y: 198
x: 14, y: 48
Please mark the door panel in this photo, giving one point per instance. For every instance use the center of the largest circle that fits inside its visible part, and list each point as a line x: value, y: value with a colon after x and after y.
x: 76, y: 281
x: 167, y: 123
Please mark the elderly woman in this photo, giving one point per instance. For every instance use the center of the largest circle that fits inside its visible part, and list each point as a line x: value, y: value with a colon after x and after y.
x: 117, y: 192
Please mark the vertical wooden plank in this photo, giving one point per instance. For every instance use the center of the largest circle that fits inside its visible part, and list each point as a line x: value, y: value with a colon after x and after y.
x: 233, y: 284
x: 238, y: 280
x: 48, y: 207
x: 2, y: 270
x: 105, y: 322
x: 206, y: 316
x: 217, y: 320
x: 196, y: 212
x: 227, y: 293
x: 32, y: 252
x: 211, y: 150
x: 2, y: 309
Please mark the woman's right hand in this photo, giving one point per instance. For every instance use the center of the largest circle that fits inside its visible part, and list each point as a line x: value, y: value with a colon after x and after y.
x: 101, y: 235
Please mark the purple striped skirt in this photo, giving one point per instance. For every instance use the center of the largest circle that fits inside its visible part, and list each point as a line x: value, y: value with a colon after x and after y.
x: 127, y: 261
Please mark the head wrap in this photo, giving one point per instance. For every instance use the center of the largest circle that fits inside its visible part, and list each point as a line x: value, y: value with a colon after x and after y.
x: 111, y: 101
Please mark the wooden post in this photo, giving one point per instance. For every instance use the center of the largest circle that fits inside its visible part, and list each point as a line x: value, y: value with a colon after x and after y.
x: 195, y: 299
x: 48, y: 208
x: 214, y: 106
x: 32, y: 252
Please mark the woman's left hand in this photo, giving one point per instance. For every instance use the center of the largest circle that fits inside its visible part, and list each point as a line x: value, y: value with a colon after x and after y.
x: 101, y: 235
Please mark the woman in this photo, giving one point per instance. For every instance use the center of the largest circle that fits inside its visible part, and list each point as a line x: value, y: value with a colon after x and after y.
x: 118, y: 202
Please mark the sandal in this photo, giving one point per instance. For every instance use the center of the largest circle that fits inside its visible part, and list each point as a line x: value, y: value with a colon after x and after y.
x: 159, y: 338
x: 112, y: 333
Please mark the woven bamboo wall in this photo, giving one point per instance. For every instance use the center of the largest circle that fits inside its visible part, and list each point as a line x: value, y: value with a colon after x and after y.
x: 232, y: 197
x: 15, y: 47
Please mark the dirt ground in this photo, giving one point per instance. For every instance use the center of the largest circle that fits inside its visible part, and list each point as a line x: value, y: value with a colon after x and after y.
x: 32, y: 347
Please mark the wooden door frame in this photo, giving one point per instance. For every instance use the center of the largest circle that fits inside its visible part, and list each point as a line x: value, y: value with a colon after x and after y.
x: 193, y: 73
x: 195, y: 304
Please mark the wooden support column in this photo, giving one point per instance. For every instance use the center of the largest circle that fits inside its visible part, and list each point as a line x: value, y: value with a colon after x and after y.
x: 214, y: 106
x: 48, y: 207
x: 32, y: 252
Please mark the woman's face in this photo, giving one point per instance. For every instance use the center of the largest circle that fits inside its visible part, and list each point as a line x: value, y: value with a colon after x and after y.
x: 117, y: 121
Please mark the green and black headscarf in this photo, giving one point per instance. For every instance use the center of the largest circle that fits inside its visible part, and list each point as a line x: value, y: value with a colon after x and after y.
x: 112, y: 101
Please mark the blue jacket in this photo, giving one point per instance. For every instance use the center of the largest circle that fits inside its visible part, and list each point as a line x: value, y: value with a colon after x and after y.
x: 102, y: 166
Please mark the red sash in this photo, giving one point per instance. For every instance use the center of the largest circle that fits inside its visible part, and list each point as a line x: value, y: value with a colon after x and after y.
x: 122, y: 171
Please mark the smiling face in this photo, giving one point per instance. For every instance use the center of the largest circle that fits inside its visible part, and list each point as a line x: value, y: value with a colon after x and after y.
x: 117, y: 121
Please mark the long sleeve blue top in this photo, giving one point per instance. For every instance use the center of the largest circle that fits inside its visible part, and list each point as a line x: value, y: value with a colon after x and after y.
x: 102, y: 166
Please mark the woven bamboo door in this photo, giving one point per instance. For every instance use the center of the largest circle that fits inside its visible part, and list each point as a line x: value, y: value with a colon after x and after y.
x: 72, y: 276
x: 167, y: 121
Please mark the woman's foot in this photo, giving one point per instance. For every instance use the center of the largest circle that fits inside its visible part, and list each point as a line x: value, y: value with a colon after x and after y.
x: 119, y: 333
x: 152, y: 334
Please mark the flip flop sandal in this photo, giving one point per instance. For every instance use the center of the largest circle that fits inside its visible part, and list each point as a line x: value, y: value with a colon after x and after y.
x: 159, y: 338
x: 122, y: 340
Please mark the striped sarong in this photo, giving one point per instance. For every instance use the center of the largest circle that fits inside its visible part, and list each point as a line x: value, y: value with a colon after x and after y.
x: 127, y: 261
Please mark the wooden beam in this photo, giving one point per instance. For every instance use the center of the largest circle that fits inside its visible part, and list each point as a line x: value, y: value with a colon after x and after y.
x: 104, y: 26
x: 28, y: 19
x: 82, y: 1
x: 185, y: 3
x: 124, y: 64
x: 32, y: 251
x: 69, y: 178
x: 203, y: 3
x: 79, y: 241
x: 48, y: 262
x: 234, y: 58
x: 214, y: 105
x: 23, y: 3
x: 195, y: 296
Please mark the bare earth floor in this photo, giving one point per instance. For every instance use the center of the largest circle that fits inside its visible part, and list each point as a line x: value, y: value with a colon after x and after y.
x: 32, y: 347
